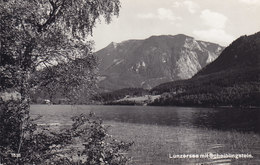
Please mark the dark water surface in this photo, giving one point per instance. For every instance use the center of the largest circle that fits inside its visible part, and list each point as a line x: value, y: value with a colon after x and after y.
x: 245, y: 120
x: 158, y: 131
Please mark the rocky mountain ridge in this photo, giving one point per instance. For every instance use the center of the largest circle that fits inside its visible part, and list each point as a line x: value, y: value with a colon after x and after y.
x: 152, y: 61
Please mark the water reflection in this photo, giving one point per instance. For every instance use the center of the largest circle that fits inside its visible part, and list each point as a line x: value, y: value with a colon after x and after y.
x: 245, y: 120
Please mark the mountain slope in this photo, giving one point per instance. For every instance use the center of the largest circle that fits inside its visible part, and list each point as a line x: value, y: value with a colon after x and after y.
x: 242, y: 53
x: 232, y: 79
x: 158, y: 59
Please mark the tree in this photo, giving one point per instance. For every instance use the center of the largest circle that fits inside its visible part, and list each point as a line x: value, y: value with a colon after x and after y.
x: 44, y: 44
x: 41, y: 33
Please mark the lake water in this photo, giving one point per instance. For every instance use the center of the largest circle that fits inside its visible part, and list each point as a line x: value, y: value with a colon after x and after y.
x: 245, y: 120
x: 159, y: 130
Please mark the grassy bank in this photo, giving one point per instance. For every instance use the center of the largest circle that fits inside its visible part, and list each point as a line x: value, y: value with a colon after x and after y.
x: 153, y: 144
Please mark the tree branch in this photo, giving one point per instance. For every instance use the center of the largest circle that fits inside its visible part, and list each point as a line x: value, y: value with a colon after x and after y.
x: 52, y: 16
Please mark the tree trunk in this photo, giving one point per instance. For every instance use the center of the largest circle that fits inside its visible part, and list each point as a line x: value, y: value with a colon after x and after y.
x: 26, y: 67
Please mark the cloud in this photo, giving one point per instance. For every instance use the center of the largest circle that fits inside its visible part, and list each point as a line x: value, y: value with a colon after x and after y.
x: 190, y: 5
x: 250, y: 2
x: 213, y: 19
x: 166, y: 14
x: 177, y: 4
x: 216, y: 23
x: 214, y: 35
x: 161, y: 13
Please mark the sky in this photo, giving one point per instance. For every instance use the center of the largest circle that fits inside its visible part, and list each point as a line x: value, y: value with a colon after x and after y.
x: 217, y: 21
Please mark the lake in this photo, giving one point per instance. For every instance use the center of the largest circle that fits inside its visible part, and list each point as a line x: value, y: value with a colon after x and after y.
x: 160, y: 133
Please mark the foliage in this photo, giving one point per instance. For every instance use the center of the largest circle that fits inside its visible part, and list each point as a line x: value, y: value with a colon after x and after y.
x: 99, y: 148
x: 42, y: 33
x: 119, y: 94
x: 77, y: 81
x: 41, y: 145
x: 124, y: 102
x: 44, y: 46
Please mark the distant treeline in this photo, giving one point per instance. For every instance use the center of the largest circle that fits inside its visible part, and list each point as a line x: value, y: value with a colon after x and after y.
x: 124, y: 102
x: 219, y: 89
x: 120, y: 94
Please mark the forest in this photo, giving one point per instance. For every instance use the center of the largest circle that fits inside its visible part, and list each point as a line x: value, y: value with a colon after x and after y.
x: 231, y: 88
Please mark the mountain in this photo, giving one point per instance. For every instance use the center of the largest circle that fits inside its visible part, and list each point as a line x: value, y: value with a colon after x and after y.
x: 149, y: 62
x: 232, y: 79
x: 241, y: 54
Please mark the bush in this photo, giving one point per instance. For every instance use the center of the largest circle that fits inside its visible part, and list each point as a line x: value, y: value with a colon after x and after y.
x: 44, y: 145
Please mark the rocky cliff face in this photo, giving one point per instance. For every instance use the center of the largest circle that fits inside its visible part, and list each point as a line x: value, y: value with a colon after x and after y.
x: 158, y: 59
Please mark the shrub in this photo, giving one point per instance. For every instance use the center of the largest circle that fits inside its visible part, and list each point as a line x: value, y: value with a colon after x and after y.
x: 86, y: 141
